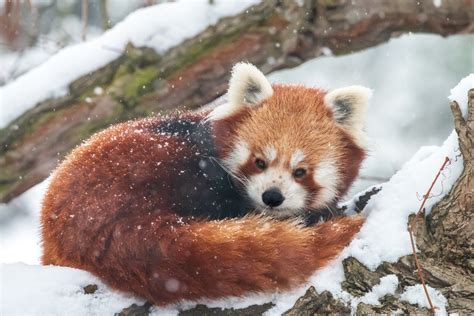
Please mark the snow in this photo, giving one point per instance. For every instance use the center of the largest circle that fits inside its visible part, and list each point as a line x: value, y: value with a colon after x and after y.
x: 48, y: 290
x: 13, y: 64
x: 416, y: 295
x: 383, y: 237
x: 160, y: 27
x: 400, y: 197
x: 67, y: 29
x: 459, y: 93
x: 20, y: 240
x: 388, y: 284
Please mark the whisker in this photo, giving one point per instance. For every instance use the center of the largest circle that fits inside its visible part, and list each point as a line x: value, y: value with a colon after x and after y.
x: 239, y: 177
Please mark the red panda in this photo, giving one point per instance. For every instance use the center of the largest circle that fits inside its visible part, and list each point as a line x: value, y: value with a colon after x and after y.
x: 203, y: 205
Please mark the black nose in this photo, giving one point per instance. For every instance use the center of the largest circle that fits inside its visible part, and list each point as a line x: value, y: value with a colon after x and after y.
x: 272, y: 197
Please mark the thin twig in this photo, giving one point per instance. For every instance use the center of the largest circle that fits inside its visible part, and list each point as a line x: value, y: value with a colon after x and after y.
x: 412, y: 240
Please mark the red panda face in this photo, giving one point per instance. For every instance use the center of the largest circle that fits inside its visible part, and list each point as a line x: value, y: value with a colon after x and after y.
x: 292, y: 148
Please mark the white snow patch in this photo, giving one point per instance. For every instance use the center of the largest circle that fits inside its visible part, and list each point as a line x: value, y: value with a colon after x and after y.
x: 388, y: 284
x: 384, y: 236
x: 16, y: 63
x: 98, y: 90
x: 19, y: 237
x: 326, y: 51
x: 437, y: 3
x: 49, y: 290
x: 459, y: 93
x: 160, y: 27
x: 416, y: 295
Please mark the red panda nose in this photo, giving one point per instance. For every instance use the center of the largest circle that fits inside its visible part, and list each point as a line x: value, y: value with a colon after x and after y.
x: 272, y: 197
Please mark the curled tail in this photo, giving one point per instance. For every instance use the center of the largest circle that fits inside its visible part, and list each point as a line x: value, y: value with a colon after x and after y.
x: 166, y: 260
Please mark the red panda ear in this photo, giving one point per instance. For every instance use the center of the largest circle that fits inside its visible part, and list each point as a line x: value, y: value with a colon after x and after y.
x: 247, y: 86
x: 349, y: 105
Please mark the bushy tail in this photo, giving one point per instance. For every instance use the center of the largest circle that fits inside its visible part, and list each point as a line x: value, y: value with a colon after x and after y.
x: 165, y: 260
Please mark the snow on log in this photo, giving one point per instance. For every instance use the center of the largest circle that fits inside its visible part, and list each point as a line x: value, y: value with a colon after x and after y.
x: 160, y: 27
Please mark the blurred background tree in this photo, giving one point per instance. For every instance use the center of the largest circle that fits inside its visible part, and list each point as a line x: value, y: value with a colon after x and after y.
x: 33, y: 30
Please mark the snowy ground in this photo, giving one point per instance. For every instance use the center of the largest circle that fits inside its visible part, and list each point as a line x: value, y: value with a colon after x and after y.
x: 37, y: 290
x: 411, y: 78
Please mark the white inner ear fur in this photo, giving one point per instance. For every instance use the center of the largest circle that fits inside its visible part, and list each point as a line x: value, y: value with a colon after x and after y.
x: 247, y: 86
x: 349, y: 105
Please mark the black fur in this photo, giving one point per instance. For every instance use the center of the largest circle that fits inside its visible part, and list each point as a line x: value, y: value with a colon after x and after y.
x: 252, y: 91
x: 344, y: 109
x: 208, y: 190
x: 312, y: 217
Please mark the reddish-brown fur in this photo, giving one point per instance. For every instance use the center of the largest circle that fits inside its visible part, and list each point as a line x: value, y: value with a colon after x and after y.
x: 303, y: 121
x: 106, y: 213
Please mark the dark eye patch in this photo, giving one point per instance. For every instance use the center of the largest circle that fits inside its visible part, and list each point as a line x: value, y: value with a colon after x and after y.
x: 262, y: 165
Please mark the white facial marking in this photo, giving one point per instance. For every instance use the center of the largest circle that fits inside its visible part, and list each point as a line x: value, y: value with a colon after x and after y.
x: 220, y: 112
x: 296, y: 158
x: 293, y: 192
x: 327, y: 176
x: 270, y: 153
x: 238, y: 156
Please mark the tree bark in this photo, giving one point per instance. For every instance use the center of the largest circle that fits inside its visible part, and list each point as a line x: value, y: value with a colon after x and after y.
x: 272, y: 35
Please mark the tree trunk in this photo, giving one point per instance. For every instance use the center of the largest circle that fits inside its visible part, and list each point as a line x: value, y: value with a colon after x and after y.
x: 272, y: 35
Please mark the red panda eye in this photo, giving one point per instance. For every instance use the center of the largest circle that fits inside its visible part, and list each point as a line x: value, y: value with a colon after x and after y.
x: 299, y: 173
x: 260, y: 164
